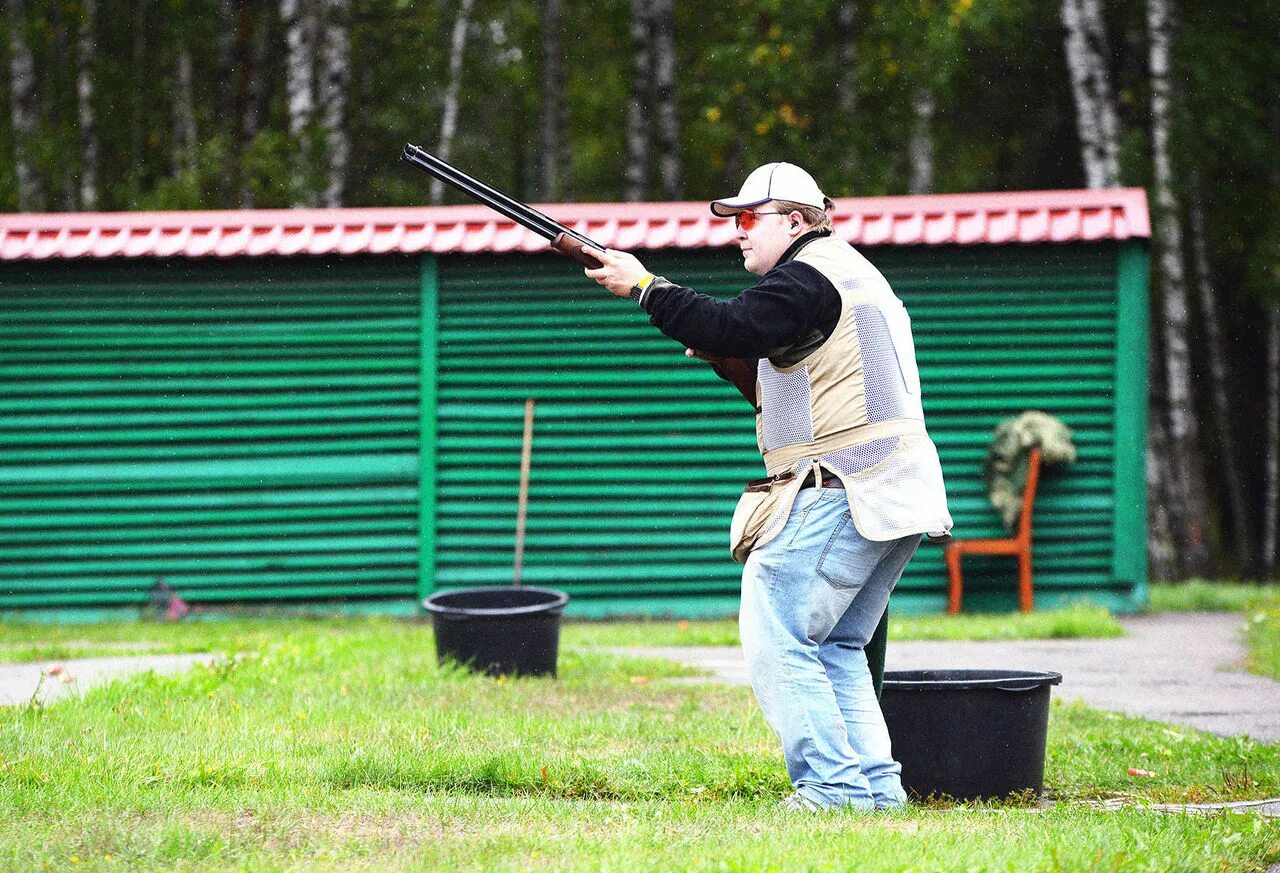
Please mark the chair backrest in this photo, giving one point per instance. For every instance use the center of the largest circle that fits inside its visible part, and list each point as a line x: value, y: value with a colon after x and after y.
x: 1029, y: 494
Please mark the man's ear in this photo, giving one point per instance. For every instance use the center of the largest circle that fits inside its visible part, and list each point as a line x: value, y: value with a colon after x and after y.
x: 797, y: 220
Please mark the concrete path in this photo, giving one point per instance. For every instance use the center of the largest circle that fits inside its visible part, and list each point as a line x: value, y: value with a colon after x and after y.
x: 46, y: 681
x: 1181, y: 668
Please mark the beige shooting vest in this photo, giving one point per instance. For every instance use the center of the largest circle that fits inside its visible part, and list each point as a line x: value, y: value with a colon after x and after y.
x: 851, y: 408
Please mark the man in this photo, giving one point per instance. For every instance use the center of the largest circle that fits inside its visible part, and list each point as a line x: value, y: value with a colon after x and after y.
x: 854, y: 480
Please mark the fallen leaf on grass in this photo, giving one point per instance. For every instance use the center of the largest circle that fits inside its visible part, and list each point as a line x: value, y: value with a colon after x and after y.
x: 1134, y: 771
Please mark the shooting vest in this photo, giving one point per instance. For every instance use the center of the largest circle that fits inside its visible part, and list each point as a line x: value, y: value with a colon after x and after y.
x: 850, y: 408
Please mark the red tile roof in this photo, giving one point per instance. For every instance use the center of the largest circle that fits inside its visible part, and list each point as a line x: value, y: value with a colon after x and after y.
x: 938, y: 219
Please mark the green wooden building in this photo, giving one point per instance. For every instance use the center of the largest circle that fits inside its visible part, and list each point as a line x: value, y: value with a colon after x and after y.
x: 326, y: 406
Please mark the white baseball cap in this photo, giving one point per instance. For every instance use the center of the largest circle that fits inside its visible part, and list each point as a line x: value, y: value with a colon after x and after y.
x: 777, y: 181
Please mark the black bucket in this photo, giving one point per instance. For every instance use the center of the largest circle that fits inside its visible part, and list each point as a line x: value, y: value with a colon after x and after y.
x: 968, y: 734
x: 499, y: 631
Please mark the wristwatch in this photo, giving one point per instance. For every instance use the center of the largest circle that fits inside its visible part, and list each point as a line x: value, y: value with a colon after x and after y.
x: 638, y: 289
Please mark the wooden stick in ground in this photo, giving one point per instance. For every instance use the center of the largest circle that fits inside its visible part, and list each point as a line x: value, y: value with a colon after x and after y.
x: 522, y: 510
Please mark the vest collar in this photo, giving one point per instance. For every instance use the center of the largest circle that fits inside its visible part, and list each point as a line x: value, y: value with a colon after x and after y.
x: 801, y: 241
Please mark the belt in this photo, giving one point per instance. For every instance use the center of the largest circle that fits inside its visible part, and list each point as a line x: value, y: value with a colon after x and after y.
x: 827, y: 482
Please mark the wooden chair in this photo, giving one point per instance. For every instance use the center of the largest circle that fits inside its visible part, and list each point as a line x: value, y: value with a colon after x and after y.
x: 1018, y: 545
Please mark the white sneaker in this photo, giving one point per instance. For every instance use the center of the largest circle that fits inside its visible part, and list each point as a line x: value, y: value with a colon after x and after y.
x: 797, y: 802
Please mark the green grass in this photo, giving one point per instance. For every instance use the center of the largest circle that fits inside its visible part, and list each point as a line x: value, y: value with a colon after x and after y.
x: 215, y: 632
x: 1199, y: 595
x: 1262, y: 639
x: 1079, y: 621
x: 342, y: 746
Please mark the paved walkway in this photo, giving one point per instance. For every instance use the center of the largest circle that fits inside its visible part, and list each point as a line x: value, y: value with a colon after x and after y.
x: 1181, y: 668
x: 46, y: 681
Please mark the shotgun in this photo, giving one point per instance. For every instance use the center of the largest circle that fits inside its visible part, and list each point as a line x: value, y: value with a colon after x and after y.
x: 566, y: 241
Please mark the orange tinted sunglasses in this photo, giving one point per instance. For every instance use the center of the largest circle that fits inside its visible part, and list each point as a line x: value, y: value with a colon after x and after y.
x: 747, y: 218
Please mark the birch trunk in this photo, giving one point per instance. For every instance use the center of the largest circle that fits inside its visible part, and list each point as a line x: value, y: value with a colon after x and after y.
x: 184, y: 115
x: 1271, y: 503
x: 1228, y: 462
x: 1162, y: 556
x: 335, y: 63
x: 847, y: 58
x: 639, y: 130
x: 300, y: 32
x: 84, y: 105
x: 22, y: 107
x: 449, y: 121
x: 920, y: 148
x: 847, y: 80
x: 1189, y: 509
x: 1096, y: 119
x: 553, y: 125
x: 666, y: 99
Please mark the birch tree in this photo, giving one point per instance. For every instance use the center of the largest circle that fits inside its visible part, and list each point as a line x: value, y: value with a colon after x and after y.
x: 86, y: 51
x: 1162, y: 555
x: 22, y: 108
x: 639, y: 129
x: 1221, y: 383
x: 1271, y: 438
x: 920, y: 147
x: 553, y: 129
x: 449, y: 119
x: 184, y: 114
x: 300, y: 26
x: 1096, y: 118
x: 846, y: 82
x: 1189, y: 507
x: 335, y: 81
x: 666, y: 99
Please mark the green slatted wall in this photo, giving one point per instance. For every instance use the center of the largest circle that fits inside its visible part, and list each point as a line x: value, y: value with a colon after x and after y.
x: 255, y: 429
x: 244, y: 430
x: 639, y: 454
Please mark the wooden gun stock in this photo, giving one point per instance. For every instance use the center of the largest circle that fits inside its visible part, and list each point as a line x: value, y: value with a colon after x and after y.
x: 572, y: 248
x: 741, y: 372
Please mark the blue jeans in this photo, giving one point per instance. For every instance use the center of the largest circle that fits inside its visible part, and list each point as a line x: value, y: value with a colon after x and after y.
x: 811, y: 599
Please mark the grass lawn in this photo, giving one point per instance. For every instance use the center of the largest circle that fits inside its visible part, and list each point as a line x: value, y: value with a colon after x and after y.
x: 34, y: 642
x: 341, y: 745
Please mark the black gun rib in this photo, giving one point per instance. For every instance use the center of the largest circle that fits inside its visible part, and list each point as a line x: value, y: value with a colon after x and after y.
x: 521, y: 213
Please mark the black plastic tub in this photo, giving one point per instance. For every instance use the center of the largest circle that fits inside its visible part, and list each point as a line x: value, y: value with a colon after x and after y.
x: 968, y: 734
x: 499, y: 631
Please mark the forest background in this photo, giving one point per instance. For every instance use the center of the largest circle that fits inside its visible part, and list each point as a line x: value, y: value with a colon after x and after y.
x: 216, y: 104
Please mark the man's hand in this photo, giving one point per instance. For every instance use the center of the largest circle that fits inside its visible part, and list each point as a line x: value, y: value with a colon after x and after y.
x: 621, y: 271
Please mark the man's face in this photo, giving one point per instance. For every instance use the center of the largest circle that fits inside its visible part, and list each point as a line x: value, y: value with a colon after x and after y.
x: 765, y: 235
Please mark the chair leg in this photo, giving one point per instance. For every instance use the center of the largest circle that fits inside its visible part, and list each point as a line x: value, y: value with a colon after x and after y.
x: 1024, y: 581
x: 954, y: 582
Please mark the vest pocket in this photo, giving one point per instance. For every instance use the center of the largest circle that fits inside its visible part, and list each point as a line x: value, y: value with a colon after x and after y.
x: 756, y: 518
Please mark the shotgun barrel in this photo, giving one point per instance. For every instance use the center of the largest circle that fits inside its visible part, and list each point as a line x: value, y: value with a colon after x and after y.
x: 563, y: 239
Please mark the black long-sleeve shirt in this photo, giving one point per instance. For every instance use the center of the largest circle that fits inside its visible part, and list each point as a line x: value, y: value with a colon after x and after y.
x: 788, y: 313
